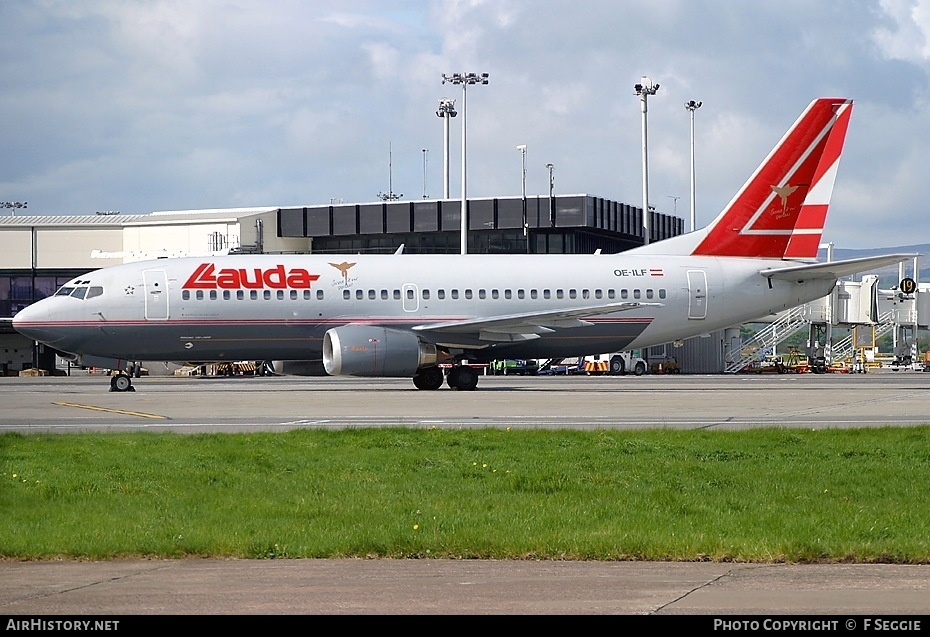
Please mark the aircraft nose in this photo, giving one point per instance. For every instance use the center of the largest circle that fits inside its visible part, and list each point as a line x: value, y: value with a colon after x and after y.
x: 32, y: 320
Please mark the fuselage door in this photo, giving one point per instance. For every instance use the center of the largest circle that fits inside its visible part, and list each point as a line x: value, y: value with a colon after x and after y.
x: 156, y: 295
x: 697, y: 294
x: 411, y: 297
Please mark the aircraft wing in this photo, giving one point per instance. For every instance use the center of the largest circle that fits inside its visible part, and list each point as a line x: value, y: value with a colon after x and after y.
x: 527, y: 325
x: 833, y: 269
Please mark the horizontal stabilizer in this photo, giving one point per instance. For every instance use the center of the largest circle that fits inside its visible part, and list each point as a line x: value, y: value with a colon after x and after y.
x: 833, y: 269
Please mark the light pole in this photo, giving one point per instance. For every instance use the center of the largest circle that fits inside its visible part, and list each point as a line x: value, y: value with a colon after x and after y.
x: 424, y: 173
x: 551, y: 200
x: 446, y: 111
x: 692, y: 106
x: 526, y: 227
x: 465, y: 79
x: 644, y: 90
x: 13, y: 205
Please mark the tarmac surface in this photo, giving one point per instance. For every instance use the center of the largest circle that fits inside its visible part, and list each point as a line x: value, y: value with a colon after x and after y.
x: 460, y: 587
x: 83, y: 402
x: 861, y: 594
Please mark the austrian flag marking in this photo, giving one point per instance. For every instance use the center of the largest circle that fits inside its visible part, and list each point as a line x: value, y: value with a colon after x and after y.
x: 206, y: 277
x: 656, y: 272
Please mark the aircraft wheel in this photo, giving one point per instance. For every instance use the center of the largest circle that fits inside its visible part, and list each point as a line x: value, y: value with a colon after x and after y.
x: 430, y: 378
x: 121, y: 382
x: 463, y: 378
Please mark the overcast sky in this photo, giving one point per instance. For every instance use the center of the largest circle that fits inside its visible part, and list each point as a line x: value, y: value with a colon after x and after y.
x: 150, y: 105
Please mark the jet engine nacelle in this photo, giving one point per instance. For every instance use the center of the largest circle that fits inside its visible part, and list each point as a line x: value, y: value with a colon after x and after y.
x: 363, y: 350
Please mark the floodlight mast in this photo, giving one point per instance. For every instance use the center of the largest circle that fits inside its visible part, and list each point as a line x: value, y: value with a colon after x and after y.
x: 526, y: 226
x: 446, y: 111
x: 13, y: 206
x: 425, y: 161
x: 692, y: 106
x: 644, y: 89
x: 551, y: 195
x: 465, y: 79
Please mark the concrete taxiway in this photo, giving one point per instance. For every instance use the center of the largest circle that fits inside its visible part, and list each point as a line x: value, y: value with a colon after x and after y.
x: 472, y: 587
x: 82, y: 402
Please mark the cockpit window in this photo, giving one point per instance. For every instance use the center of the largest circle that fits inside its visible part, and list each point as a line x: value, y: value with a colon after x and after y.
x: 80, y: 291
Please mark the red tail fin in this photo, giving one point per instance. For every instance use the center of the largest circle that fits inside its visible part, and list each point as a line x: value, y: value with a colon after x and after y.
x: 780, y: 212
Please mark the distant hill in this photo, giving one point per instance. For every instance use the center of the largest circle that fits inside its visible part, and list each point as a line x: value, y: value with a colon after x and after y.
x: 922, y: 249
x: 888, y: 276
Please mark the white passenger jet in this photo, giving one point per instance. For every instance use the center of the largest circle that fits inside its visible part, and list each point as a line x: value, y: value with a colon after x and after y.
x: 414, y: 315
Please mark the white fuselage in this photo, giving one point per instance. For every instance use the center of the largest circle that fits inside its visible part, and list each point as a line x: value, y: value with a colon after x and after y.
x: 278, y: 307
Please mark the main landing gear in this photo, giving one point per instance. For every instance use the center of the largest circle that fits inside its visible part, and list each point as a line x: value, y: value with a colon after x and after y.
x: 122, y: 380
x: 460, y: 377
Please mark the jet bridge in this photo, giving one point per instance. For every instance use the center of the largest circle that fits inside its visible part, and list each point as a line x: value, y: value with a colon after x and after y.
x: 850, y: 304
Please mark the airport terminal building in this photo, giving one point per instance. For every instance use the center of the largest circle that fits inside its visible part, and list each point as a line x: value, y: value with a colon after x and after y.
x: 41, y: 253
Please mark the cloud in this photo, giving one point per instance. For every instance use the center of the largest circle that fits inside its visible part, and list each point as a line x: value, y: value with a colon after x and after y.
x: 163, y: 104
x: 906, y: 39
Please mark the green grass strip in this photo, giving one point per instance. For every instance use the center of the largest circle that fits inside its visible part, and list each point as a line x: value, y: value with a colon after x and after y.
x: 764, y: 495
